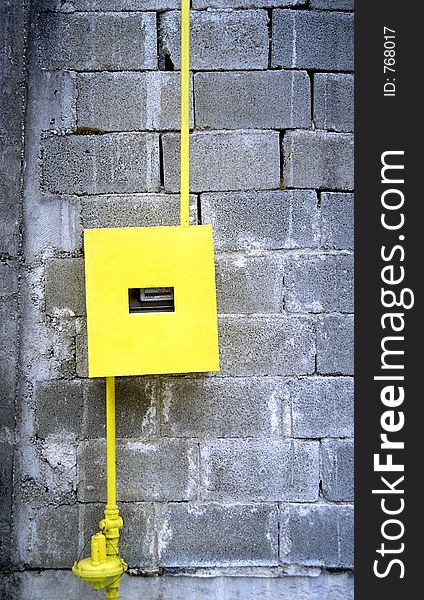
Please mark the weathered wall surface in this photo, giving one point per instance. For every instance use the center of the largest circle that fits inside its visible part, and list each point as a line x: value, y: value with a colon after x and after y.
x: 247, y: 473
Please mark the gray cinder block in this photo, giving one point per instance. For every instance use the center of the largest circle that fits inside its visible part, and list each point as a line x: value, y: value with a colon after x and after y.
x: 234, y: 470
x: 266, y: 346
x: 148, y: 470
x: 317, y: 535
x: 249, y: 100
x: 322, y: 283
x: 335, y: 345
x: 235, y: 160
x: 221, y: 407
x: 317, y: 159
x: 101, y: 164
x: 337, y: 220
x: 220, y: 40
x: 333, y: 101
x: 288, y: 219
x: 217, y: 535
x: 337, y: 470
x: 65, y: 285
x: 312, y: 40
x: 97, y: 42
x: 129, y: 101
x: 320, y: 407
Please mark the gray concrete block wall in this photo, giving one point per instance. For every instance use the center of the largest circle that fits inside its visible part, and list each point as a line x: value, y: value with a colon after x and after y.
x: 243, y: 472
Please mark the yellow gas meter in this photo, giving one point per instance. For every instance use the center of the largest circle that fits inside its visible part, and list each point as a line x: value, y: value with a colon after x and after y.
x: 151, y: 300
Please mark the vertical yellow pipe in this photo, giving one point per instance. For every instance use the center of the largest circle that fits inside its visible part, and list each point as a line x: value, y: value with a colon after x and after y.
x: 185, y: 113
x: 110, y: 441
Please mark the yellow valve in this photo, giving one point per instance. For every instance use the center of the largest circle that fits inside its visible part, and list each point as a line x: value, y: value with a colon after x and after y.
x: 104, y: 567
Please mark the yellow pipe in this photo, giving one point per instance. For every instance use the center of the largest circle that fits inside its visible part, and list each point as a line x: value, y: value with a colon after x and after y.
x: 110, y: 442
x: 185, y: 113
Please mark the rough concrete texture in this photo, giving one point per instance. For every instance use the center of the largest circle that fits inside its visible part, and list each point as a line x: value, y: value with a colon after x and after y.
x: 123, y: 5
x: 337, y: 221
x: 312, y: 40
x: 289, y: 219
x: 335, y: 345
x: 320, y: 407
x: 128, y: 101
x: 316, y: 535
x: 266, y: 346
x: 76, y: 42
x: 101, y: 164
x: 149, y: 470
x: 32, y: 585
x: 220, y: 408
x: 249, y: 284
x: 337, y: 470
x: 239, y: 480
x: 257, y: 100
x: 333, y: 101
x: 260, y: 471
x: 135, y: 210
x: 236, y: 160
x: 317, y: 159
x: 332, y: 4
x: 240, y: 534
x: 65, y: 285
x: 220, y: 40
x: 318, y: 284
x: 246, y: 3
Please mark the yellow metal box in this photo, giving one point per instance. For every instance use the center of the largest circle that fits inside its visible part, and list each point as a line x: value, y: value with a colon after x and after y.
x: 151, y: 300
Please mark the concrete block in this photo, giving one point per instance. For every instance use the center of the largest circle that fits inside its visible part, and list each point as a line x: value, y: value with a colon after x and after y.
x: 332, y: 4
x: 307, y: 39
x: 337, y: 470
x: 236, y: 160
x: 63, y: 584
x: 249, y: 284
x: 76, y: 41
x: 12, y: 85
x: 8, y: 279
x: 220, y: 40
x: 6, y: 479
x: 124, y: 5
x: 266, y: 346
x: 81, y: 351
x: 335, y: 345
x: 215, y: 407
x: 65, y: 285
x: 129, y: 101
x: 136, y: 544
x: 262, y: 220
x: 49, y: 535
x: 53, y: 227
x: 317, y: 159
x: 101, y: 164
x: 8, y: 361
x: 217, y: 535
x: 136, y: 210
x: 136, y: 407
x: 163, y: 470
x: 321, y: 283
x: 317, y: 535
x: 244, y: 471
x: 337, y: 224
x: 333, y: 101
x: 246, y: 3
x: 59, y: 408
x: 320, y: 407
x: 260, y: 99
